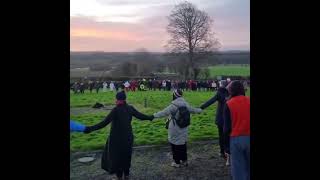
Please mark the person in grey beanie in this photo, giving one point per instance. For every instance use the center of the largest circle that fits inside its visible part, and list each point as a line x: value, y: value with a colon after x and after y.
x: 177, y: 136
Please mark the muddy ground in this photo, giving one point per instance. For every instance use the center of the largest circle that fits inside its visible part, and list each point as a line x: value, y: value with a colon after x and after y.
x: 153, y: 163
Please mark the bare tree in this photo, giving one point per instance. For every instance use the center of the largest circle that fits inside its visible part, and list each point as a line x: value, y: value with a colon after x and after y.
x: 191, y: 33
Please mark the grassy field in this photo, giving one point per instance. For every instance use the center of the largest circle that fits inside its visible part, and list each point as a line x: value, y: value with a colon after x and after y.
x: 202, y: 126
x: 230, y: 70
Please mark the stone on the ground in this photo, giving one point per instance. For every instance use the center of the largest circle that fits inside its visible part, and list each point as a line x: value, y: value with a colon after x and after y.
x: 86, y: 159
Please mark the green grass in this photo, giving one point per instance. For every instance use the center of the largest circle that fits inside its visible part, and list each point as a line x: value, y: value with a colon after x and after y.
x: 230, y: 70
x: 146, y: 133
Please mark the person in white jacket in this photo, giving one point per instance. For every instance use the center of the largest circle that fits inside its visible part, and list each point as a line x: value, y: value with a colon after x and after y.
x: 177, y: 136
x: 112, y: 87
x: 164, y: 85
x: 127, y: 86
x: 105, y: 86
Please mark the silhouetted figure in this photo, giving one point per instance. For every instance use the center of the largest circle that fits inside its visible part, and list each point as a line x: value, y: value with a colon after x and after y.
x: 168, y: 84
x: 75, y: 87
x: 81, y: 88
x: 91, y: 86
x: 97, y: 86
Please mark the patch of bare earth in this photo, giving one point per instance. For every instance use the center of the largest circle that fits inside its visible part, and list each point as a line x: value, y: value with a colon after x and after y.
x: 154, y: 163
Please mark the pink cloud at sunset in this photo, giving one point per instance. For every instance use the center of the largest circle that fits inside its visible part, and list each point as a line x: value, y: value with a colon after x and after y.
x: 124, y: 26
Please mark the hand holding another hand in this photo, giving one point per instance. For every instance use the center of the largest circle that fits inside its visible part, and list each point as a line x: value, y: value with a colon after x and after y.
x: 87, y: 130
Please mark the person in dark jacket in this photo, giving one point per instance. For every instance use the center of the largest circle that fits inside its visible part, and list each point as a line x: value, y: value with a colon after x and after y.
x: 154, y: 84
x: 91, y: 86
x: 150, y: 84
x: 117, y: 85
x: 97, y: 86
x: 220, y: 97
x: 168, y: 85
x: 116, y: 157
x: 81, y: 88
x: 76, y: 87
x: 237, y: 126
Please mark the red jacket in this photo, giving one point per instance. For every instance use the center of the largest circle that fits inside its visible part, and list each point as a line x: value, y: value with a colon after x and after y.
x: 239, y: 107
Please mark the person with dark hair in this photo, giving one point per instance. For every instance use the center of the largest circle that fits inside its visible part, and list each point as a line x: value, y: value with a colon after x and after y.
x: 133, y: 85
x: 116, y: 157
x: 122, y: 87
x: 237, y: 126
x: 188, y: 85
x: 154, y: 84
x: 220, y: 97
x: 97, y: 86
x: 177, y: 134
x: 183, y: 85
x: 116, y: 85
x: 158, y: 84
x: 208, y: 83
x: 75, y: 87
x: 81, y: 88
x: 193, y: 85
x: 201, y: 85
x: 150, y: 84
x: 91, y: 86
x: 168, y: 85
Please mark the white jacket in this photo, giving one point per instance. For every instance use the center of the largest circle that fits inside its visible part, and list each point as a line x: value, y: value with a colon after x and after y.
x: 176, y: 135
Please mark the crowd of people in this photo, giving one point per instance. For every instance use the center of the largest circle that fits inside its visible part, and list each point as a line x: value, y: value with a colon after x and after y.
x: 151, y: 84
x: 232, y: 120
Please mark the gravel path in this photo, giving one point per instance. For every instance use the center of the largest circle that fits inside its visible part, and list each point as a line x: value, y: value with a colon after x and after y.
x: 153, y: 163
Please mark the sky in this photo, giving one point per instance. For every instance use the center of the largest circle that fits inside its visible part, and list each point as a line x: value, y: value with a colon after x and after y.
x: 128, y: 25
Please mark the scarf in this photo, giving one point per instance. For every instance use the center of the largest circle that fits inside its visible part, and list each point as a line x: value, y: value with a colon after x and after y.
x: 120, y: 102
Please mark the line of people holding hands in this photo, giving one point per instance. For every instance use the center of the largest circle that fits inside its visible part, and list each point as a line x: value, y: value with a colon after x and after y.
x: 232, y: 120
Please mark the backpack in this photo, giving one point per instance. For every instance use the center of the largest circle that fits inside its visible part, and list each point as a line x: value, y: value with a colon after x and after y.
x: 184, y: 117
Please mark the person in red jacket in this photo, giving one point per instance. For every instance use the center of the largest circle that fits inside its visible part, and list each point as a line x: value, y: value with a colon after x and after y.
x: 237, y: 126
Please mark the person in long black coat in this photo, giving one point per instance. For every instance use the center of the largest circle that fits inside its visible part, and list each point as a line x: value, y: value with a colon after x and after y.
x: 116, y: 157
x: 221, y: 96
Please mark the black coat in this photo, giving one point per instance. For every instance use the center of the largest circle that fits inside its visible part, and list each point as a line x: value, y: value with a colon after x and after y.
x: 221, y: 97
x: 118, y: 148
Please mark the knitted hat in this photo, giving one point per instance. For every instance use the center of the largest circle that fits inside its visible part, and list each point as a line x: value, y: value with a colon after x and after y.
x: 121, y: 96
x: 177, y: 93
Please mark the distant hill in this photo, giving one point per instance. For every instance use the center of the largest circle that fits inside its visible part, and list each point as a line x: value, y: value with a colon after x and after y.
x: 98, y: 59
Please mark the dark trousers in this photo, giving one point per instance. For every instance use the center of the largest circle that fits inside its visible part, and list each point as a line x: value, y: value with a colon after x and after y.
x: 122, y: 172
x: 179, y: 152
x: 224, y: 142
x: 221, y: 139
